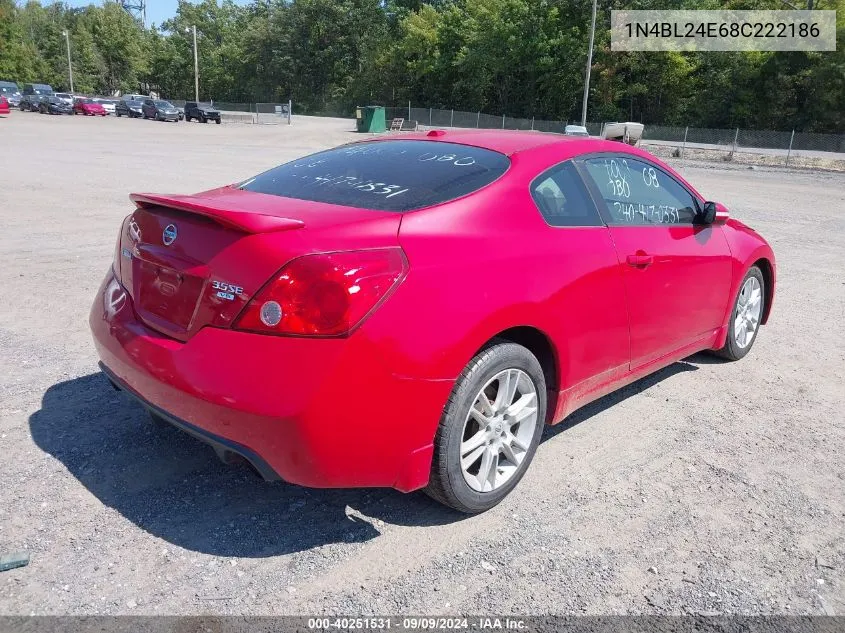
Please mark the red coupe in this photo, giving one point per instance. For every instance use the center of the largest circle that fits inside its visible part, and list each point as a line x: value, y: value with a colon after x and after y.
x: 410, y: 311
x: 4, y: 105
x: 88, y: 106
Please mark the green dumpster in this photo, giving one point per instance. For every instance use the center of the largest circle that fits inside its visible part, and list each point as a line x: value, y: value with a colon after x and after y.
x: 370, y: 119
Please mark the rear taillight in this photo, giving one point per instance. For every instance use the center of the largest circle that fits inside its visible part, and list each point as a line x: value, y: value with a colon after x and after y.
x: 118, y: 251
x: 326, y: 294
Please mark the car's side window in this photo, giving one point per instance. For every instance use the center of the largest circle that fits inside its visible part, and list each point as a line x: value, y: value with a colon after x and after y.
x: 561, y: 198
x: 636, y: 192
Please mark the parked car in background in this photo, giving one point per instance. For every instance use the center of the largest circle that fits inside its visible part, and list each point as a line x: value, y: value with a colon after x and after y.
x: 51, y: 104
x: 66, y: 97
x: 204, y: 112
x: 10, y: 90
x: 160, y: 110
x: 128, y: 107
x: 37, y: 89
x: 4, y: 105
x: 575, y: 130
x: 108, y: 104
x: 181, y: 112
x: 29, y: 102
x: 134, y: 97
x: 14, y: 99
x: 84, y: 105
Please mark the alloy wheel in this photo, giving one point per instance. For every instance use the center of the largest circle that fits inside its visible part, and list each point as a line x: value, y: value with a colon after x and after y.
x: 749, y: 307
x: 498, y: 430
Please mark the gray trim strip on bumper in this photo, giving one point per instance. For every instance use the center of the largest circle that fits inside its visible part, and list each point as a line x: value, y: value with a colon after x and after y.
x: 219, y: 444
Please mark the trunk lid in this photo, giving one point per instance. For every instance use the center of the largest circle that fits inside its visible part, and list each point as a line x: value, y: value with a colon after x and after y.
x: 195, y: 261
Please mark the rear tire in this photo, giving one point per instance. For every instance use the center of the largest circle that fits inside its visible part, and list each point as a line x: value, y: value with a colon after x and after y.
x: 217, y: 121
x: 468, y: 437
x: 747, y: 313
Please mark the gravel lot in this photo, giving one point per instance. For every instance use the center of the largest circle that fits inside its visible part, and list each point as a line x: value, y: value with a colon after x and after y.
x: 708, y: 487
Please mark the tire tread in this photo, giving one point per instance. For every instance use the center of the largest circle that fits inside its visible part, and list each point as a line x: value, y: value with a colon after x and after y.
x: 729, y: 351
x: 438, y: 487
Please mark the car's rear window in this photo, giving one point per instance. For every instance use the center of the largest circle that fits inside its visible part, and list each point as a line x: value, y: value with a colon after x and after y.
x: 400, y: 175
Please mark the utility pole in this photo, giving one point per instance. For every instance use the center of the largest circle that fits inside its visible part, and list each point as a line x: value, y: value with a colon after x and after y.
x: 196, y: 65
x: 589, y: 66
x: 69, y: 65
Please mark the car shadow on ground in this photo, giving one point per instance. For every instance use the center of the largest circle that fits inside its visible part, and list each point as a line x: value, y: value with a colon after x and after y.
x: 174, y: 487
x: 612, y: 399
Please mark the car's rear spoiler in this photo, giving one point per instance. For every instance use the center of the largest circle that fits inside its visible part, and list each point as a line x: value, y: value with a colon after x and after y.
x: 220, y: 208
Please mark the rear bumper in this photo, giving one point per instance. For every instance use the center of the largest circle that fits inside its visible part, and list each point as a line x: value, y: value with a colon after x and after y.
x: 218, y: 443
x: 322, y: 413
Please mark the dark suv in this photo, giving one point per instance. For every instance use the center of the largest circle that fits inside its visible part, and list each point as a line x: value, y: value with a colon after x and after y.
x: 29, y: 103
x: 204, y: 112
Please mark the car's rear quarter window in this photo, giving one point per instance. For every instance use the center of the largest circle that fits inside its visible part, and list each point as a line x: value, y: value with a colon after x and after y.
x: 400, y: 175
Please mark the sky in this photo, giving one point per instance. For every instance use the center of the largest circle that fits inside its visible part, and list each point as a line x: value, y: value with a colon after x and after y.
x: 157, y: 10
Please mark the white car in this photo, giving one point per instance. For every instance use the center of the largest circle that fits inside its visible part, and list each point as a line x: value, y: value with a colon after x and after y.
x: 65, y: 97
x: 108, y: 104
x: 575, y: 130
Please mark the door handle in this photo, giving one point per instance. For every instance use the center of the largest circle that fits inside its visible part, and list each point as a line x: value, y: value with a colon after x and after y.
x: 640, y: 261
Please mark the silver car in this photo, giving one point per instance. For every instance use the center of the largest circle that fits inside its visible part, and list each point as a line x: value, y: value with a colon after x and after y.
x: 160, y: 110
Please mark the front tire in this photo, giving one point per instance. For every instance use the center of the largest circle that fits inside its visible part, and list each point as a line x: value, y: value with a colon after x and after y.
x: 490, y: 428
x: 745, y: 316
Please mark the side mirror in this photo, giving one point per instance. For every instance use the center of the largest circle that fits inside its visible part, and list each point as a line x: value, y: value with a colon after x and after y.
x: 707, y: 215
x: 712, y: 212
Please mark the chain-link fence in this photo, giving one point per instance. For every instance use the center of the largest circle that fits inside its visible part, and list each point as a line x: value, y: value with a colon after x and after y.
x: 745, y: 146
x: 767, y: 147
x: 232, y: 112
x: 436, y: 117
x: 748, y: 146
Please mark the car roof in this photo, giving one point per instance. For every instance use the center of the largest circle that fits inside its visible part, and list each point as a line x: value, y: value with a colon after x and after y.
x: 512, y: 142
x: 545, y: 148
